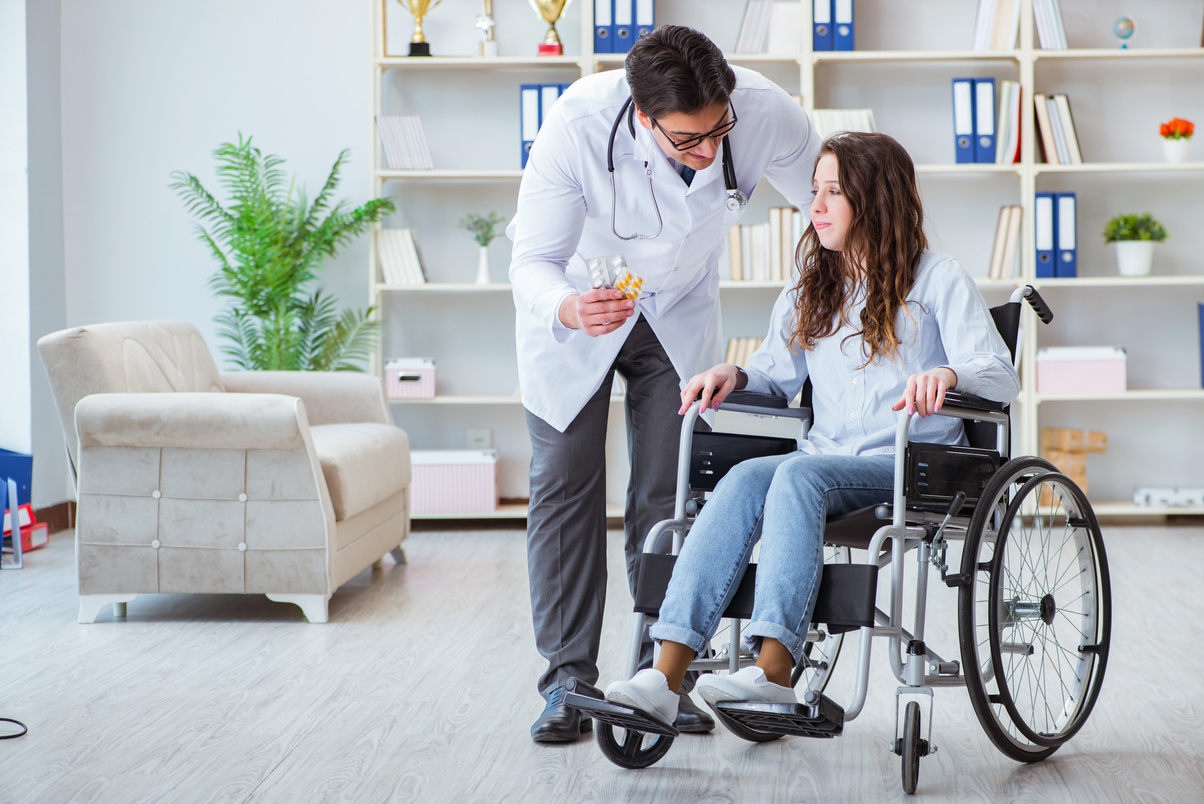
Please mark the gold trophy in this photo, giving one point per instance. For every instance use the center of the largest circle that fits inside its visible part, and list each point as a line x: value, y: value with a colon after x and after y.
x: 418, y: 8
x: 550, y: 10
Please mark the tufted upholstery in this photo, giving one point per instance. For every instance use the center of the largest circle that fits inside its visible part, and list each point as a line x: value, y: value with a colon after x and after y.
x: 193, y: 481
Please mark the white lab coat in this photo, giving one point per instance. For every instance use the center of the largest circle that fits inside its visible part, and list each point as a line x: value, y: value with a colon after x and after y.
x: 564, y: 218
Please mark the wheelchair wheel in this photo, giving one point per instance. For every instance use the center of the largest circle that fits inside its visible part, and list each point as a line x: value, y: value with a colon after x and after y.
x: 1034, y: 615
x: 911, y: 750
x: 631, y: 749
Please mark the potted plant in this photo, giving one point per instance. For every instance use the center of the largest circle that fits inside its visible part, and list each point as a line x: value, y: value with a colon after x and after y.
x: 1176, y: 138
x: 484, y: 229
x: 270, y: 242
x: 1134, y: 236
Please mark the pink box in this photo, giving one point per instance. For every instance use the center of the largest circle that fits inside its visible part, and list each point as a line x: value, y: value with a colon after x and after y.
x: 1081, y: 370
x: 410, y: 378
x: 453, y: 481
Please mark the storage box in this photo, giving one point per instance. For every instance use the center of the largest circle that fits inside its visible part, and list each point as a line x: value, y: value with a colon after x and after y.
x: 410, y: 378
x: 1081, y: 370
x: 453, y: 481
x: 1071, y: 440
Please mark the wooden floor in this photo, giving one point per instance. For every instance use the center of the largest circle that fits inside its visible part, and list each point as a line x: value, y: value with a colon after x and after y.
x: 421, y: 688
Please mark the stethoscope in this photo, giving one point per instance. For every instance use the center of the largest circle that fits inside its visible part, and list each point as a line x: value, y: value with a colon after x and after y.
x: 736, y: 199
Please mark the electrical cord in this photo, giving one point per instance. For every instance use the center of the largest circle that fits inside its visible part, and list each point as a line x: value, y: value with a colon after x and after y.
x: 24, y: 728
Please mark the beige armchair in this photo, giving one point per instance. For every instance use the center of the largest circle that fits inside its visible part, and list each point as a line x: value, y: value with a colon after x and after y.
x: 189, y: 480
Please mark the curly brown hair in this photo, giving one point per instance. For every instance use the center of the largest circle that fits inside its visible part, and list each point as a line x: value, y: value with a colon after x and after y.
x: 882, y: 247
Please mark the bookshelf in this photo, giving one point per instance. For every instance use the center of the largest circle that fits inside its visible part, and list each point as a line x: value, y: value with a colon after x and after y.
x: 901, y: 69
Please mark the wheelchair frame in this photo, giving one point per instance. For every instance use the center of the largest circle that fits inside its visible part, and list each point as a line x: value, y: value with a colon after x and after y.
x: 1021, y: 491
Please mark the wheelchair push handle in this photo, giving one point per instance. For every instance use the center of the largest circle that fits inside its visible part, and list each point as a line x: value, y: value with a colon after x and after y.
x: 1030, y: 294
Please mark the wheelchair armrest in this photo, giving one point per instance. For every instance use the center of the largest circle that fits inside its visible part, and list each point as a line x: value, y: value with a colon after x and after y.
x: 762, y: 405
x: 971, y: 402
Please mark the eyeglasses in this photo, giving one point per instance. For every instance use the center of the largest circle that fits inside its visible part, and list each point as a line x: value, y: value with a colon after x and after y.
x: 717, y: 133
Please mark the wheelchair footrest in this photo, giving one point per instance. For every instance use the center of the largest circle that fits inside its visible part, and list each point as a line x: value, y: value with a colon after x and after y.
x: 824, y: 718
x: 590, y: 700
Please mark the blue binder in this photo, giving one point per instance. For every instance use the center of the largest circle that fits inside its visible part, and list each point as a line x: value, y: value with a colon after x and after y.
x: 963, y: 119
x: 603, y: 22
x: 984, y: 120
x: 821, y: 19
x: 622, y: 28
x: 528, y: 117
x: 842, y: 24
x: 1067, y: 218
x: 645, y: 17
x: 1045, y: 223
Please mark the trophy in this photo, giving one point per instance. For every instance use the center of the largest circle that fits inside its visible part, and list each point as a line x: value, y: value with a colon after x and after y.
x: 550, y: 10
x: 418, y: 8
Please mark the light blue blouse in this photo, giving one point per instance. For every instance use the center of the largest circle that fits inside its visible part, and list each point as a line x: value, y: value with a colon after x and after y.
x: 946, y: 322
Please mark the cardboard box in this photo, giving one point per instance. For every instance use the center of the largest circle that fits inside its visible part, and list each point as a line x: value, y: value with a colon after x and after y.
x: 1069, y: 440
x: 410, y: 378
x: 453, y: 481
x: 1081, y: 370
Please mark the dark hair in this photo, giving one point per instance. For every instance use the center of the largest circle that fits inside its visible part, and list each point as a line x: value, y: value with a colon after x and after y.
x: 882, y: 247
x: 677, y: 70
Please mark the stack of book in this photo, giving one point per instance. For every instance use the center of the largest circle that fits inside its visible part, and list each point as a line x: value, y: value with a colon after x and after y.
x: 1007, y: 142
x: 1007, y: 239
x: 399, y: 257
x: 404, y: 141
x: 754, y: 30
x: 1056, y: 126
x: 1048, y: 15
x: 740, y: 349
x: 764, y: 252
x: 772, y: 27
x: 834, y: 121
x: 998, y: 25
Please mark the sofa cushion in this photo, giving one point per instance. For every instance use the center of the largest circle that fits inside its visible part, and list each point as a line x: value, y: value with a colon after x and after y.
x: 363, y: 464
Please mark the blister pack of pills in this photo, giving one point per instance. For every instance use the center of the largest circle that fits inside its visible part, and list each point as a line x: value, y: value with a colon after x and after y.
x: 612, y: 272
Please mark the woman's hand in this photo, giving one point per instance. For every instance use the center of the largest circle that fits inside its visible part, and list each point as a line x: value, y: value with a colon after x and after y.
x: 925, y: 392
x: 714, y: 385
x: 597, y: 311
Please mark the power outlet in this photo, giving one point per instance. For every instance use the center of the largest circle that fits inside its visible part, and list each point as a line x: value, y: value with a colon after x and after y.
x: 481, y: 438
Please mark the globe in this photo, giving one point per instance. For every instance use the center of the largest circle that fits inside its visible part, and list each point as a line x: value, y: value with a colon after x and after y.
x: 1124, y: 28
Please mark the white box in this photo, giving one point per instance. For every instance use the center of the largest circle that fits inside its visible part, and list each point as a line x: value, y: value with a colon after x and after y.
x: 1081, y: 370
x: 410, y: 378
x: 453, y: 481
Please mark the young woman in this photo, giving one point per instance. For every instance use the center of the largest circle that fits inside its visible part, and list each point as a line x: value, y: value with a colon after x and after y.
x: 879, y: 323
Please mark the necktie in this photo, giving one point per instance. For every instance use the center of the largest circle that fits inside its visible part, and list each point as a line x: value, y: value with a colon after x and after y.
x: 687, y: 173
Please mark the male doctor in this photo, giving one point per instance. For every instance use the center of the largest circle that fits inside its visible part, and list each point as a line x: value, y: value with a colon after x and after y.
x: 689, y: 138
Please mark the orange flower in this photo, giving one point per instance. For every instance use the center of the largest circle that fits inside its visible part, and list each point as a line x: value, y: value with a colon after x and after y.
x: 1177, y: 129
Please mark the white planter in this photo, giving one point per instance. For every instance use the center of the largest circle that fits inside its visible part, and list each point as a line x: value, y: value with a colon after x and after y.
x: 1134, y: 257
x: 483, y: 277
x: 1176, y: 150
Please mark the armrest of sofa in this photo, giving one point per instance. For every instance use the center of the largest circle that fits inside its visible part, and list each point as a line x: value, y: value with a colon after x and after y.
x: 330, y: 397
x: 192, y: 420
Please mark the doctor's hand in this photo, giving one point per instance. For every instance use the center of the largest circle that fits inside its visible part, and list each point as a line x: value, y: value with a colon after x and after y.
x: 714, y: 385
x: 597, y: 311
x: 925, y: 392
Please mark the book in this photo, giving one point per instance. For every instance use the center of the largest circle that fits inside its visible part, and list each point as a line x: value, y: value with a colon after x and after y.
x: 404, y: 142
x: 1059, y: 135
x: 785, y: 28
x: 1048, y: 147
x: 827, y: 122
x: 1007, y: 140
x: 1011, y: 244
x: 734, y: 254
x: 1067, y: 123
x: 1050, y: 30
x: 997, y: 25
x: 995, y: 266
x: 755, y: 27
x: 399, y: 257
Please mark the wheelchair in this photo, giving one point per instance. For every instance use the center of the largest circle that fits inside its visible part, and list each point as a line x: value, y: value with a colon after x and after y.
x: 1034, y: 597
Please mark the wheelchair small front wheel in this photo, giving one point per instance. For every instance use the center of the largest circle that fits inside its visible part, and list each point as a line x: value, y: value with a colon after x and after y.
x: 912, y: 750
x: 629, y: 748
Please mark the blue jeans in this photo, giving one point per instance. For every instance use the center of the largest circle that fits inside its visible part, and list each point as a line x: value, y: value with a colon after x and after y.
x: 781, y: 500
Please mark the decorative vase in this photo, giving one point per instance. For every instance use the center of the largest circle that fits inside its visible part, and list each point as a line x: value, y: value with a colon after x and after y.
x: 1175, y: 150
x: 1133, y: 257
x: 483, y: 277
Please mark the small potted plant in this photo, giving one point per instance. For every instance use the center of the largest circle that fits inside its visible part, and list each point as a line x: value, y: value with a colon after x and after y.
x: 1134, y: 236
x: 484, y: 229
x: 1176, y: 138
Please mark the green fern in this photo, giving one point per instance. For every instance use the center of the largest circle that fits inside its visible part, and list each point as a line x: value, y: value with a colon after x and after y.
x: 269, y: 242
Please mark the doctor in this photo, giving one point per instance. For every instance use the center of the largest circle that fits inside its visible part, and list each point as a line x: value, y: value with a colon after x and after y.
x: 655, y: 163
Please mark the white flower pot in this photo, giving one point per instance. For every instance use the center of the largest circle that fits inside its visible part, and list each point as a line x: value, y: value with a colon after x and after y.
x: 1176, y: 150
x: 483, y: 277
x: 1134, y: 257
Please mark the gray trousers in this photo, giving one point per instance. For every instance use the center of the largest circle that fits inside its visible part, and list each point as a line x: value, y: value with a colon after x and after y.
x: 566, y: 523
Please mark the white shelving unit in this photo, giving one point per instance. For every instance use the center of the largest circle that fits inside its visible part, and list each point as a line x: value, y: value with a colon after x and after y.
x: 469, y: 328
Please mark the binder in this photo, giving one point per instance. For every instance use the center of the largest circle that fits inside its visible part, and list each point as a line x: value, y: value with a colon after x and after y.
x: 603, y: 20
x: 1067, y: 239
x: 842, y: 24
x: 548, y: 93
x: 528, y: 117
x: 821, y: 34
x: 620, y: 31
x: 984, y: 120
x: 645, y: 17
x: 963, y: 119
x: 1045, y: 217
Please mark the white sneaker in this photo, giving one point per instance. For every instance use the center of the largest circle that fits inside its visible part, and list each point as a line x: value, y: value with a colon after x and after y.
x: 647, y: 691
x: 748, y: 684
